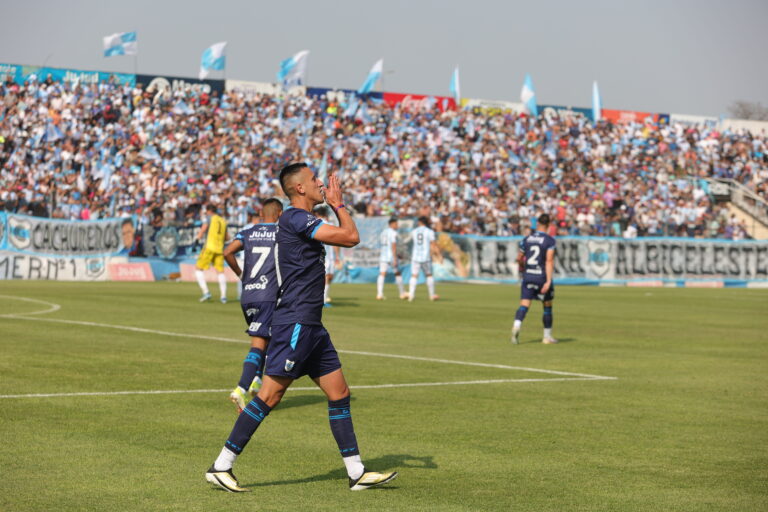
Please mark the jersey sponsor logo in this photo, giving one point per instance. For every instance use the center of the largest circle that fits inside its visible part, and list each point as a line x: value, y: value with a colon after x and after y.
x: 261, y: 285
x: 251, y: 311
x: 254, y: 326
x: 260, y: 235
x: 289, y: 365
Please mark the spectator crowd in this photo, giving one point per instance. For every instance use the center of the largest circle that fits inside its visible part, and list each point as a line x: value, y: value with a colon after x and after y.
x: 88, y: 151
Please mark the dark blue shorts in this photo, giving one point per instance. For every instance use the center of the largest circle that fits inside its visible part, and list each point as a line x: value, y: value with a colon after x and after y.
x: 531, y: 290
x: 297, y: 350
x: 258, y: 316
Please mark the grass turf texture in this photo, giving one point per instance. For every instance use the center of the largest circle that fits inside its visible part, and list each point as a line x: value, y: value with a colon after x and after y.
x: 685, y: 426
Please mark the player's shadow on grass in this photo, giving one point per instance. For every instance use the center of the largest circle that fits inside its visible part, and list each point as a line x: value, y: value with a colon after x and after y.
x: 384, y: 463
x: 559, y: 340
x: 290, y: 401
x: 344, y: 303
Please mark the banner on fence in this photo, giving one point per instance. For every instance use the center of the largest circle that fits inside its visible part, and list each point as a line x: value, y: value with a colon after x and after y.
x: 51, y: 237
x: 578, y: 260
x: 16, y: 265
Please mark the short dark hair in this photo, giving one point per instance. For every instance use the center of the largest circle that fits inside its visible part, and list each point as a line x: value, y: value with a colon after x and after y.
x: 272, y: 206
x: 288, y: 171
x: 424, y: 220
x: 543, y: 219
x: 211, y: 208
x: 323, y: 211
x: 392, y: 219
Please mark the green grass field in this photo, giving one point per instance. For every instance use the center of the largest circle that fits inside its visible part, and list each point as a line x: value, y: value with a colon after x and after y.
x: 683, y: 427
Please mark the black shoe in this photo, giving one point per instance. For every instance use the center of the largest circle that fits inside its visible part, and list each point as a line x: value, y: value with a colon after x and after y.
x: 371, y: 479
x: 225, y: 479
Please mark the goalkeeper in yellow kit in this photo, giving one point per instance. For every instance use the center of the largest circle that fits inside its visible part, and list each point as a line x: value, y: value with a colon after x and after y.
x: 212, y: 253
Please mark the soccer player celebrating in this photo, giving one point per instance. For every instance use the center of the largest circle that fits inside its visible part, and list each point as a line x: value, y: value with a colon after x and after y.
x: 212, y: 253
x: 388, y: 260
x: 537, y: 264
x: 421, y: 258
x: 300, y: 345
x: 259, y: 294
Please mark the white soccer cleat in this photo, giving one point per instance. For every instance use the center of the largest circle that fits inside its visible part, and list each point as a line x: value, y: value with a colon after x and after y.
x: 515, y: 335
x: 224, y: 479
x: 434, y: 297
x: 371, y: 479
x: 206, y: 297
x: 411, y: 296
x: 549, y: 341
x: 381, y: 297
x: 403, y: 296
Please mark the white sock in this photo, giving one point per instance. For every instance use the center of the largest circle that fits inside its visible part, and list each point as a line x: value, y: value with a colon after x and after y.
x: 380, y: 285
x: 225, y: 460
x: 399, y: 281
x: 547, y: 333
x: 223, y: 285
x: 201, y: 280
x: 325, y: 292
x: 517, y: 324
x: 355, y: 468
x: 412, y: 286
x: 239, y: 289
x: 431, y: 285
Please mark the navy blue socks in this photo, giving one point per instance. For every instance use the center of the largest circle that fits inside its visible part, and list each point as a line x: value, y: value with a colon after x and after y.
x: 246, y: 424
x: 341, y: 426
x: 252, y: 367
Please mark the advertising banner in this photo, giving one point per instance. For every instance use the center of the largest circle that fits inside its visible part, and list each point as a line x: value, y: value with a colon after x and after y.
x: 630, y: 116
x: 419, y: 101
x: 339, y: 94
x: 37, y: 235
x: 492, y: 107
x: 263, y: 88
x: 16, y: 265
x: 564, y: 112
x: 21, y: 74
x: 176, y: 83
x: 130, y: 272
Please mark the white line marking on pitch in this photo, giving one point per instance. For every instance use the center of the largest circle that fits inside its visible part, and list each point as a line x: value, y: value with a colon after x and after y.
x: 55, y: 307
x: 370, y: 386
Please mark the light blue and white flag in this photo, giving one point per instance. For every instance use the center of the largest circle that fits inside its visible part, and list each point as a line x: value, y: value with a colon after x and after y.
x: 455, y: 90
x: 213, y: 59
x: 372, y: 78
x: 597, y: 103
x: 292, y: 70
x: 528, y: 96
x: 121, y: 43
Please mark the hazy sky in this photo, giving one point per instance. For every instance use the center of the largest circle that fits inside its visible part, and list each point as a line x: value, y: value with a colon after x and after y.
x: 681, y: 56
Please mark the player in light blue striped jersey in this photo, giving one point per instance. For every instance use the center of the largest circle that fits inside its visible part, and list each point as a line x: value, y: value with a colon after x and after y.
x: 388, y: 260
x: 421, y: 258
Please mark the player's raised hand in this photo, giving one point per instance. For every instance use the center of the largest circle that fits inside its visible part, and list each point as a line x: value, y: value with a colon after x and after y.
x: 333, y: 192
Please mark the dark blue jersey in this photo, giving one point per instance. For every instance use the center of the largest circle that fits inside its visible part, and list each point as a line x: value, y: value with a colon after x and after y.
x: 300, y: 269
x: 534, y: 248
x: 259, y: 277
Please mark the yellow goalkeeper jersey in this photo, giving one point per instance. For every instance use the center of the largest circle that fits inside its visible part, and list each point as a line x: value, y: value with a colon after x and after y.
x: 217, y: 234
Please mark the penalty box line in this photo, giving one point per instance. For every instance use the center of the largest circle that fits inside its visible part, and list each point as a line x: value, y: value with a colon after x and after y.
x: 342, y: 351
x: 298, y: 388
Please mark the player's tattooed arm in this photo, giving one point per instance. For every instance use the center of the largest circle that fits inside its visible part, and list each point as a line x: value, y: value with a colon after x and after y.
x: 345, y: 235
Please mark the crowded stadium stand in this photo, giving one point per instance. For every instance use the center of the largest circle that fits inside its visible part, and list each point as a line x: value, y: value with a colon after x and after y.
x: 87, y: 147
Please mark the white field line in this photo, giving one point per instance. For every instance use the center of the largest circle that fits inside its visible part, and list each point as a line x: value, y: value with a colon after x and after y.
x: 371, y: 386
x: 52, y: 307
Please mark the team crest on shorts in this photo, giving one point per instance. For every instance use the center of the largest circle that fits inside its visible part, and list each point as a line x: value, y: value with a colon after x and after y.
x: 289, y: 365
